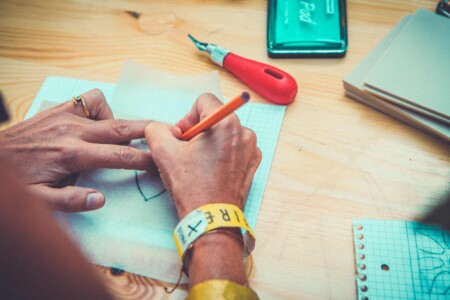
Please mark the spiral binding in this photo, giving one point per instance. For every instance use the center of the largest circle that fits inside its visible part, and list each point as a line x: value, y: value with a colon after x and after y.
x: 361, y: 276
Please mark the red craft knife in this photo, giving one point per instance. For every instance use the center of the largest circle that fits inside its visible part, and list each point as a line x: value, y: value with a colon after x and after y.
x: 272, y: 83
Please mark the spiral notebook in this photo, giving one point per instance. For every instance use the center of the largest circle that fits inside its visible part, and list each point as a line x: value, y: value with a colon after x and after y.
x: 401, y: 260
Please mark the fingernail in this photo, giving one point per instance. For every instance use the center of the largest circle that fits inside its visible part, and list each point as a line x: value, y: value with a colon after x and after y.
x: 94, y: 200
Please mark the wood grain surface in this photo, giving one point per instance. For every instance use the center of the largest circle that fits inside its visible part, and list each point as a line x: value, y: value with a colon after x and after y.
x: 336, y: 159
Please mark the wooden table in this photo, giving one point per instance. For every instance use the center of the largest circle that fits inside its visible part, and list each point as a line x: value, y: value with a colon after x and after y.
x: 336, y: 159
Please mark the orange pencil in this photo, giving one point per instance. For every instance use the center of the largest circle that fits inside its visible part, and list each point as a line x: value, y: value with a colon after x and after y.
x: 216, y: 116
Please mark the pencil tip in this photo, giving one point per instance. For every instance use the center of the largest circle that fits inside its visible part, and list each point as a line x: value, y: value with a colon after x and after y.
x: 245, y: 96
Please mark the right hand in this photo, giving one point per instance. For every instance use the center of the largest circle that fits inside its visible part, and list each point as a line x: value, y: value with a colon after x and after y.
x: 216, y: 166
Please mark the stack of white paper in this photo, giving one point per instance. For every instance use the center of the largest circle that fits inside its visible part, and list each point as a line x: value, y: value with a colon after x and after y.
x: 407, y: 75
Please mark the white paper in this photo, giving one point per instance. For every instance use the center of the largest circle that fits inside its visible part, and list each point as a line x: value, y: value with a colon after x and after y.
x: 143, y: 93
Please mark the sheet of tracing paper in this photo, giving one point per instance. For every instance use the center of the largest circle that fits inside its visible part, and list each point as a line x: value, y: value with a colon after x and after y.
x: 133, y: 231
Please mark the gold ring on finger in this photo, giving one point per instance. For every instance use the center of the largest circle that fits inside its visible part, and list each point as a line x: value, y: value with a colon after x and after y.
x: 78, y: 99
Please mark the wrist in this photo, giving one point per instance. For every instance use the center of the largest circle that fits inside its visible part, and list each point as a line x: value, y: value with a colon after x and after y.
x: 210, y: 217
x: 185, y: 203
x: 218, y: 256
x: 213, y: 240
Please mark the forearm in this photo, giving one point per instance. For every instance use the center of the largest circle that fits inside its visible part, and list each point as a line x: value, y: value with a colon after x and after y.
x: 210, y: 176
x: 41, y: 262
x: 217, y: 256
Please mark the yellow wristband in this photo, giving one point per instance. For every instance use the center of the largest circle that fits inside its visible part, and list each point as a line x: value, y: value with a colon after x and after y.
x: 209, y: 217
x: 221, y: 289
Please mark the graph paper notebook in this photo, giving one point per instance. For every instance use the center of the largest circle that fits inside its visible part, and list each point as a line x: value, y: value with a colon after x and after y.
x: 128, y: 232
x: 401, y: 260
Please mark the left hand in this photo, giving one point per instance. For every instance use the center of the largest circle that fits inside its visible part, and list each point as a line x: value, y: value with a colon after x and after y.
x: 62, y: 141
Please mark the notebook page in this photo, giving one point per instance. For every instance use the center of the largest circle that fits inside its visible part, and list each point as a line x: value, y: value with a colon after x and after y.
x: 401, y: 260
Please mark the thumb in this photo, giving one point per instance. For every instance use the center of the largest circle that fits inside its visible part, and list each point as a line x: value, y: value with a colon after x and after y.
x: 162, y: 139
x: 71, y: 198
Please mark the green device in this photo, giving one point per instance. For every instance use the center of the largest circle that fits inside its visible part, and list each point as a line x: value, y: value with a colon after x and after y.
x: 306, y: 28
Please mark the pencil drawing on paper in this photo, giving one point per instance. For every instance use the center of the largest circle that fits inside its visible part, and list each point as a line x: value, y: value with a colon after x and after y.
x: 145, y: 197
x: 434, y: 261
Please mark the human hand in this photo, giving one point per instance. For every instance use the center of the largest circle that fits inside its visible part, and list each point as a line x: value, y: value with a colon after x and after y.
x: 62, y: 141
x: 216, y: 166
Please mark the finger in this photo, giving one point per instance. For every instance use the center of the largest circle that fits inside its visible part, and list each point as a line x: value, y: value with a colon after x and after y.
x: 205, y: 105
x: 96, y: 103
x: 93, y: 156
x: 114, y: 131
x: 162, y: 139
x: 72, y: 198
x: 251, y: 170
x: 254, y: 160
